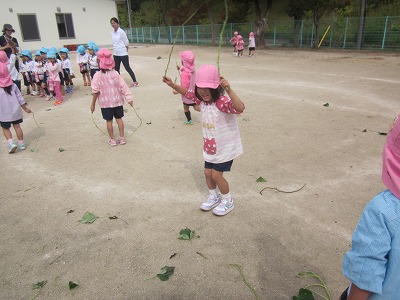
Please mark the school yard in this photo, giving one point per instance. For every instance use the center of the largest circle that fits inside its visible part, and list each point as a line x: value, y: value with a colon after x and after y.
x: 154, y: 184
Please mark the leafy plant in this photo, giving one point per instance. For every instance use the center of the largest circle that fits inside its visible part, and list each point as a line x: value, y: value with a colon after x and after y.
x: 72, y: 285
x: 187, y: 234
x: 261, y: 179
x: 61, y: 149
x: 326, y: 105
x: 88, y: 218
x: 164, y: 274
x: 306, y: 293
x: 39, y: 285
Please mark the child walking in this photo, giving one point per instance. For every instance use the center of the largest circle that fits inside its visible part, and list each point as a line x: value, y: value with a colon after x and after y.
x: 240, y: 45
x: 54, y: 81
x: 83, y: 62
x: 111, y: 90
x: 221, y: 137
x: 188, y: 75
x: 252, y: 44
x: 11, y: 102
x: 372, y: 263
x: 233, y: 40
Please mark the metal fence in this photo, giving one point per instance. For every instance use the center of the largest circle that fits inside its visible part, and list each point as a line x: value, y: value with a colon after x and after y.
x: 380, y: 33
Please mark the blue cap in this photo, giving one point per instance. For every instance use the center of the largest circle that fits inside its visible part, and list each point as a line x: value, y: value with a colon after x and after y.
x: 27, y: 53
x: 63, y: 50
x: 81, y: 49
x: 44, y: 50
x: 37, y: 53
x: 51, y: 54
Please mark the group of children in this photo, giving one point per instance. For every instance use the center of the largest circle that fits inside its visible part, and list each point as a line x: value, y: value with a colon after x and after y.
x: 50, y: 74
x: 238, y: 44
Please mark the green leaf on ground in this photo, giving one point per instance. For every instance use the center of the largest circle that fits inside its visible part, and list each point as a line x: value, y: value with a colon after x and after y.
x: 165, y: 273
x: 34, y: 149
x: 39, y: 285
x: 382, y: 133
x: 304, y: 294
x: 61, y: 149
x: 326, y: 104
x: 261, y: 179
x: 72, y: 285
x: 158, y: 57
x: 187, y: 234
x: 125, y: 110
x: 113, y: 218
x: 88, y: 218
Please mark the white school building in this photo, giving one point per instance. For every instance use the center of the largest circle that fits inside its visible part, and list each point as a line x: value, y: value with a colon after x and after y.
x: 55, y: 23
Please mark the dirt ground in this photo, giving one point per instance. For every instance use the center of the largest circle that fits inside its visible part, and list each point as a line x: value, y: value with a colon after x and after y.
x: 154, y: 184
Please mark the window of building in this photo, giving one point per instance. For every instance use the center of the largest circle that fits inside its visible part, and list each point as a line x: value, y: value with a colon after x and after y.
x: 29, y: 27
x: 65, y: 26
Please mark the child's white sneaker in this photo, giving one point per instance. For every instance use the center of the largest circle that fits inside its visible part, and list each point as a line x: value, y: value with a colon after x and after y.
x: 224, y: 207
x: 21, y: 146
x: 12, y: 148
x: 211, y: 202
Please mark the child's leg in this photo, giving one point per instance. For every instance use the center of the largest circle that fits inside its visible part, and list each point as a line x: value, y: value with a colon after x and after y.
x: 84, y: 79
x: 57, y: 90
x: 7, y: 134
x: 196, y: 107
x: 88, y: 78
x: 217, y: 179
x: 121, y: 127
x: 110, y: 129
x: 187, y: 114
x: 18, y: 131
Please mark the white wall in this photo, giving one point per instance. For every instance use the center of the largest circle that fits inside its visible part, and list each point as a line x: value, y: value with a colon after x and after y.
x: 90, y: 25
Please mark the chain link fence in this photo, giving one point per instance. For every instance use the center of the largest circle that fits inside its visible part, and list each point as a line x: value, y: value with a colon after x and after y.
x: 380, y: 33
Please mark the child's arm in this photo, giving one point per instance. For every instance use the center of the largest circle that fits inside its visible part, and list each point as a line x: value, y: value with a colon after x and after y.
x: 26, y: 108
x: 358, y: 294
x: 126, y: 91
x: 180, y: 89
x: 94, y: 99
x: 237, y: 103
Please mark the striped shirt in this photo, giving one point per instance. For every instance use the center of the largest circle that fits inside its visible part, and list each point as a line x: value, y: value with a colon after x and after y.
x: 373, y: 263
x: 221, y: 136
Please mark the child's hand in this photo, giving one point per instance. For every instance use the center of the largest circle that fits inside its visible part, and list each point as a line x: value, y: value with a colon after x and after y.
x: 167, y: 80
x: 175, y: 92
x: 178, y: 67
x: 224, y: 83
x: 92, y: 107
x: 130, y: 103
x: 27, y: 109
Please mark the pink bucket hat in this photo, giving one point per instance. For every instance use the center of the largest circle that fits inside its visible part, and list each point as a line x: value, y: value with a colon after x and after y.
x: 106, y: 60
x: 187, y: 58
x: 207, y: 77
x: 4, y: 58
x: 5, y: 77
x: 391, y: 160
x: 251, y: 34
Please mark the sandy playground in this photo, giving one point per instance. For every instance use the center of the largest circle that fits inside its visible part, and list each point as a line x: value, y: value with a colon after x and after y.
x: 154, y: 184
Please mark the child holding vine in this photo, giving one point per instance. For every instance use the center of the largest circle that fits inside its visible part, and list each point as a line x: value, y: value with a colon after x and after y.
x: 372, y: 263
x: 110, y: 89
x: 11, y: 102
x: 188, y: 75
x: 221, y: 137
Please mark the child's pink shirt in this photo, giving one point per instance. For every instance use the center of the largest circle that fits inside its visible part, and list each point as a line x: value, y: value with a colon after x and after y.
x: 240, y: 45
x: 112, y: 88
x: 53, y: 70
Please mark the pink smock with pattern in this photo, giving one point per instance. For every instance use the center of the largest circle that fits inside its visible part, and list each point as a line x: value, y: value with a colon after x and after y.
x: 112, y: 87
x: 221, y: 136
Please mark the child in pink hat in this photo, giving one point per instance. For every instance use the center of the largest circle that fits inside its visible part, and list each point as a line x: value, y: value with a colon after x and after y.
x: 221, y: 137
x: 240, y: 45
x: 252, y: 44
x: 110, y: 89
x: 11, y: 102
x: 372, y: 264
x: 188, y: 75
x: 233, y: 40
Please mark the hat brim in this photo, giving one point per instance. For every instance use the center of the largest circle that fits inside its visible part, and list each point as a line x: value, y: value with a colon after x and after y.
x: 207, y: 85
x: 4, y: 30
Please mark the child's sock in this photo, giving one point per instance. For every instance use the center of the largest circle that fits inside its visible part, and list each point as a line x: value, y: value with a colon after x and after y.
x: 188, y: 116
x: 227, y: 196
x: 10, y: 141
x: 20, y: 142
x: 213, y: 192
